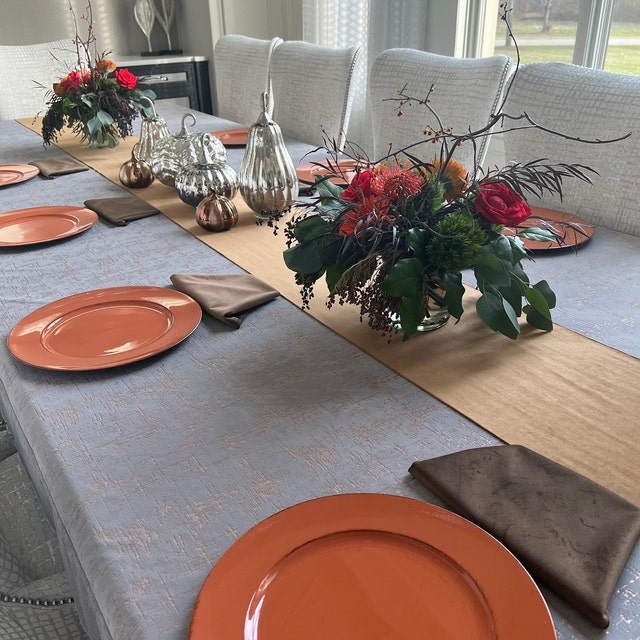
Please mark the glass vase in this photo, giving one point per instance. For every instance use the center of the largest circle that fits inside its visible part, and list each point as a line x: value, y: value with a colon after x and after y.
x: 436, y: 313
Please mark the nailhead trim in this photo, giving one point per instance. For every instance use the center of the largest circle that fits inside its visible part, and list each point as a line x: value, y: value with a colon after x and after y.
x: 4, y: 597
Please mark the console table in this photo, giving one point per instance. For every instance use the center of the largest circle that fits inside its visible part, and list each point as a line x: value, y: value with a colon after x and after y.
x: 174, y: 77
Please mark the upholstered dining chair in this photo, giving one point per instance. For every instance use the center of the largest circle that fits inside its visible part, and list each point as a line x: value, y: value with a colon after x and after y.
x: 241, y: 67
x: 312, y: 91
x: 28, y: 71
x: 589, y: 104
x: 466, y: 92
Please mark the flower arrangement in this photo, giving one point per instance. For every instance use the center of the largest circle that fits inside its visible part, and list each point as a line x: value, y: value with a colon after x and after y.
x: 395, y: 241
x: 96, y: 99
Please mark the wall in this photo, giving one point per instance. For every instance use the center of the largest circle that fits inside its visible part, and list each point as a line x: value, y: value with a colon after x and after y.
x: 31, y: 21
x: 263, y: 19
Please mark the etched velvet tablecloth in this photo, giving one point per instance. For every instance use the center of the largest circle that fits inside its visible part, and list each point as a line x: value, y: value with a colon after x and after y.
x: 152, y: 470
x: 569, y: 398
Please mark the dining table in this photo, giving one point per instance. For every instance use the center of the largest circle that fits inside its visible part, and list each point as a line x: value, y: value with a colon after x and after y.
x: 151, y: 470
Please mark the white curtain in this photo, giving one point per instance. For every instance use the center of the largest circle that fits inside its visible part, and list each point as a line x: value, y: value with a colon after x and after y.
x: 372, y: 25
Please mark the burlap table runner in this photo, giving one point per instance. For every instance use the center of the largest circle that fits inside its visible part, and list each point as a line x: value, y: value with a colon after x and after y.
x: 565, y: 396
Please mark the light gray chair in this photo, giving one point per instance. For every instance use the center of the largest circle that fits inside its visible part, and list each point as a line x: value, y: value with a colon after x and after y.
x: 31, y: 570
x: 241, y: 67
x: 589, y: 104
x: 28, y: 71
x: 467, y: 91
x: 312, y: 91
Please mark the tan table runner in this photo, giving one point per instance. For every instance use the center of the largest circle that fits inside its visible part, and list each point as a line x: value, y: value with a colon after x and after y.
x: 561, y: 394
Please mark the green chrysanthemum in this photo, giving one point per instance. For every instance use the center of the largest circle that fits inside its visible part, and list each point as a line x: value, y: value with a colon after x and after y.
x: 457, y: 240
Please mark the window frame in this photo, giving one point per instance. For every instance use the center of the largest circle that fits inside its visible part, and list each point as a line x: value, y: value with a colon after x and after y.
x: 476, y: 30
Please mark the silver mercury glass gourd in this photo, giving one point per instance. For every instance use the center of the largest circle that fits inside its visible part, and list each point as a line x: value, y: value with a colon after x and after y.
x: 267, y: 179
x: 152, y: 130
x: 175, y: 151
x: 206, y: 176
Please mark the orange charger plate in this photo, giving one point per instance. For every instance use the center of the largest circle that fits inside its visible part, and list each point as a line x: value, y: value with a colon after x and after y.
x: 12, y: 173
x: 43, y: 224
x: 232, y: 137
x: 104, y: 328
x: 369, y: 567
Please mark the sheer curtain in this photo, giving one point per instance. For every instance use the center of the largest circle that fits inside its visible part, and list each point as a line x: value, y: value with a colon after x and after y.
x: 372, y: 25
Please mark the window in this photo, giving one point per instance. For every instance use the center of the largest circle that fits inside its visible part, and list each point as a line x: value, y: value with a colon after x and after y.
x: 593, y: 33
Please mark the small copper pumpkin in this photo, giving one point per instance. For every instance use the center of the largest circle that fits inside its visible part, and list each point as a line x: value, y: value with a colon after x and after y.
x: 136, y: 173
x: 216, y: 213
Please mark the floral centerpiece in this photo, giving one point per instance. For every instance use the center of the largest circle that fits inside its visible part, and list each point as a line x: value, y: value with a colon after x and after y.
x: 395, y: 241
x: 96, y: 99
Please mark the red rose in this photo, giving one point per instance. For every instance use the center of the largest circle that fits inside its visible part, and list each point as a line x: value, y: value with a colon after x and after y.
x: 70, y: 82
x: 360, y: 188
x: 126, y: 79
x: 499, y: 204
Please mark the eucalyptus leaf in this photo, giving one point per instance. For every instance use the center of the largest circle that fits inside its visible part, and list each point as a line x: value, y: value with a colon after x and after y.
x: 509, y: 248
x: 326, y: 188
x: 411, y: 314
x: 333, y: 274
x: 454, y: 292
x: 417, y: 240
x: 513, y: 294
x: 310, y: 228
x: 539, y: 235
x: 546, y: 291
x: 304, y: 258
x: 537, y: 319
x: 488, y: 268
x: 94, y: 125
x: 404, y: 279
x: 537, y: 300
x: 491, y: 310
x: 105, y: 118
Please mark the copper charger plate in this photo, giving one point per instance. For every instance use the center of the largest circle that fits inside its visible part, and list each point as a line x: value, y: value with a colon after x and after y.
x: 574, y: 230
x: 232, y: 137
x: 369, y: 567
x: 104, y: 328
x: 12, y: 173
x: 344, y: 170
x: 43, y: 224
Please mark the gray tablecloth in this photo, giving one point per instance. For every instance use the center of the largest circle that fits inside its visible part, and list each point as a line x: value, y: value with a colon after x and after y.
x: 150, y: 471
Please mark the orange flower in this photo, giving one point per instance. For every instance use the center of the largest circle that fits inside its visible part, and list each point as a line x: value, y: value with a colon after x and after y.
x: 105, y: 66
x: 395, y: 181
x: 373, y: 211
x: 453, y: 175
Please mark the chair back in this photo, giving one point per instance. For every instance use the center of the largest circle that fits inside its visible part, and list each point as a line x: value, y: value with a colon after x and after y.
x: 466, y: 93
x: 312, y: 91
x: 241, y: 67
x: 589, y: 104
x: 27, y: 73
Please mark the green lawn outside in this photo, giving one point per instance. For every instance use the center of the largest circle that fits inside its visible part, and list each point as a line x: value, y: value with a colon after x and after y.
x: 620, y: 58
x: 531, y: 29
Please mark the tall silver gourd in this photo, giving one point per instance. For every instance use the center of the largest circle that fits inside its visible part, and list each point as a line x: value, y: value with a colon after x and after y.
x: 268, y: 181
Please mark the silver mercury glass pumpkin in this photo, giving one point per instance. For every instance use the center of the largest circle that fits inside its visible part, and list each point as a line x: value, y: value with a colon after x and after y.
x: 175, y: 151
x: 208, y: 175
x: 268, y: 179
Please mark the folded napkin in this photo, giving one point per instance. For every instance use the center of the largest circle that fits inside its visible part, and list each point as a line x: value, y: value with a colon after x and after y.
x: 569, y: 532
x: 228, y: 298
x: 52, y: 167
x: 121, y: 211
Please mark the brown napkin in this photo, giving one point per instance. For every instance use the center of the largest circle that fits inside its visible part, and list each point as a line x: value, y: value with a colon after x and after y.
x: 52, y: 167
x: 228, y: 298
x: 121, y: 211
x: 569, y: 532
